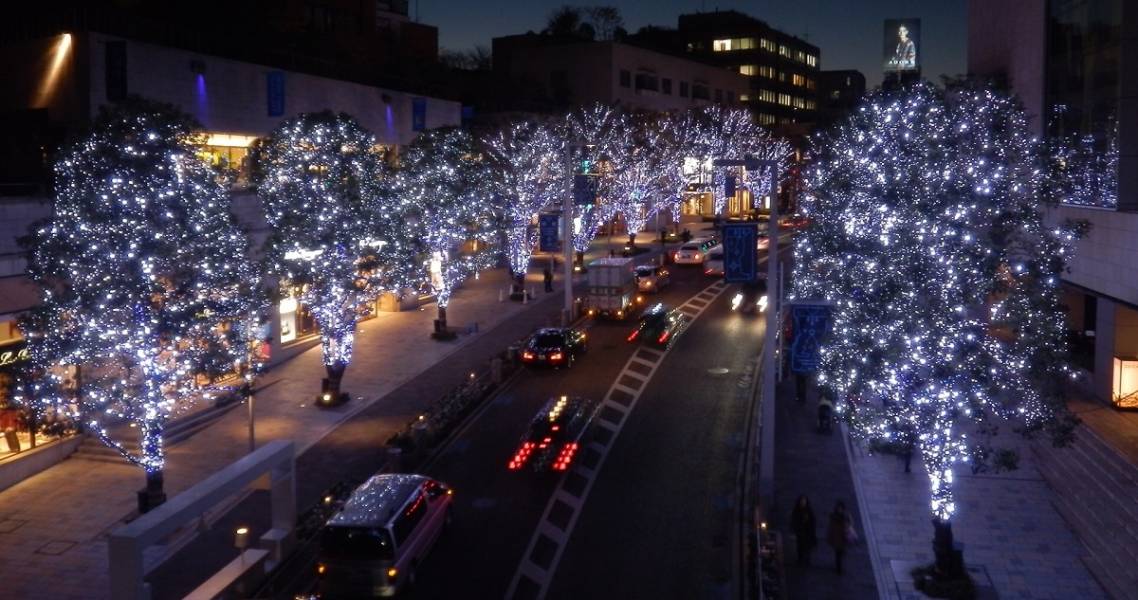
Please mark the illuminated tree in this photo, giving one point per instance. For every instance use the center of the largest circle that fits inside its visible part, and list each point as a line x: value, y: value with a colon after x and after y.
x: 527, y: 173
x: 598, y: 129
x: 319, y: 182
x: 731, y: 133
x: 443, y: 186
x: 634, y: 185
x: 144, y: 278
x: 686, y: 150
x: 928, y: 239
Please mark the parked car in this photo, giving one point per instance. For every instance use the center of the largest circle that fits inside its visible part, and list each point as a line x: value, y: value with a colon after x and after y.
x: 658, y: 325
x: 554, y: 435
x: 555, y: 347
x: 650, y: 278
x: 370, y: 548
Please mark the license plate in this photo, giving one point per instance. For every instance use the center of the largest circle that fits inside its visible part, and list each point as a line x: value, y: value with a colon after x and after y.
x: 541, y: 356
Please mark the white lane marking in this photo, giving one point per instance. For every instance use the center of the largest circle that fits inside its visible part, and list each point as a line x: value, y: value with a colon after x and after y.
x: 635, y: 375
x: 543, y: 576
x: 626, y: 389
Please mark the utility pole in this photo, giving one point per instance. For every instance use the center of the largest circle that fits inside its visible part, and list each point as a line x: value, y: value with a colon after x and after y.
x: 567, y: 233
x: 774, y: 325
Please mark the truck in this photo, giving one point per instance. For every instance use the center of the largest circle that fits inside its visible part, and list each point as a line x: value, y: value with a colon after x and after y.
x: 610, y: 289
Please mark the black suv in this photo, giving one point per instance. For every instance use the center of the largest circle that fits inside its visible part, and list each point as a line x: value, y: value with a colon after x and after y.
x: 658, y: 325
x: 554, y: 346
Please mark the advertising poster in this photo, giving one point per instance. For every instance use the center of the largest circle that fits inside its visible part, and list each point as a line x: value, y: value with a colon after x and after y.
x: 902, y: 50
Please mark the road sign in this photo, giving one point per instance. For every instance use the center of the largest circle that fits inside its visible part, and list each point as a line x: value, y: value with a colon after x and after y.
x: 584, y: 189
x: 811, y: 321
x: 740, y: 252
x: 547, y: 227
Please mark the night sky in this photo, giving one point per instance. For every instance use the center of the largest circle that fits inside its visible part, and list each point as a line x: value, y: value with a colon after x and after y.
x: 849, y: 32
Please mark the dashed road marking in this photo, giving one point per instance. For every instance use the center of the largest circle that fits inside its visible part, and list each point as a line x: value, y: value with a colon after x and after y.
x: 539, y: 562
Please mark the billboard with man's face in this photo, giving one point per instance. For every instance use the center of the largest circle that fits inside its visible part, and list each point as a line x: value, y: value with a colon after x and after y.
x: 902, y: 45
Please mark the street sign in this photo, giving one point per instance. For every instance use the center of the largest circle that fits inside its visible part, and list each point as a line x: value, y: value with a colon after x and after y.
x: 584, y: 189
x: 811, y: 321
x: 547, y: 228
x: 275, y: 92
x: 740, y: 252
x: 418, y: 114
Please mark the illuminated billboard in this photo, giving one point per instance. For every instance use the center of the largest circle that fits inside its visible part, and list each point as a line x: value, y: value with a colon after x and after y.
x: 902, y: 45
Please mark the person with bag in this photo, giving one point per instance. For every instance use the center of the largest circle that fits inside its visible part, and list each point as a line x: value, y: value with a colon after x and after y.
x: 805, y: 530
x: 840, y: 533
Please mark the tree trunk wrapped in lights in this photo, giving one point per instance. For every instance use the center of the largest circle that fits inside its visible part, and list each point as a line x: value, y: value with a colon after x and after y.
x: 442, y: 186
x: 144, y: 277
x: 527, y: 173
x: 927, y: 237
x: 319, y: 180
x: 598, y: 129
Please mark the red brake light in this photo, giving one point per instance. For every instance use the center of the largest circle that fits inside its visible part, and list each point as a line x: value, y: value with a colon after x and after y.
x: 556, y: 356
x: 565, y: 456
x: 663, y: 337
x: 527, y: 355
x: 634, y: 335
x: 521, y: 456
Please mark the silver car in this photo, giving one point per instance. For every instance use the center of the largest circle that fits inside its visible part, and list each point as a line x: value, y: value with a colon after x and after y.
x: 650, y: 278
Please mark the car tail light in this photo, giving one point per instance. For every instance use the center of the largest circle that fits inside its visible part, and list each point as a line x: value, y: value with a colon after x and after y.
x: 556, y: 356
x: 521, y: 456
x: 392, y: 575
x: 527, y: 355
x: 565, y: 456
x: 635, y: 334
x: 663, y: 337
x: 320, y: 569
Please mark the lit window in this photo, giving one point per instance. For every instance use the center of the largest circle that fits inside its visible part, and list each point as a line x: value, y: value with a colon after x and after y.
x: 744, y: 97
x: 767, y: 72
x: 784, y: 99
x: 767, y: 45
x: 748, y: 69
x: 721, y: 46
x: 767, y: 96
x: 783, y: 51
x: 799, y: 80
x: 812, y: 60
x: 731, y: 44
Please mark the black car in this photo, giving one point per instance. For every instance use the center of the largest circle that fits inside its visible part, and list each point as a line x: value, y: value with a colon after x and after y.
x: 554, y: 346
x: 554, y: 436
x: 658, y: 325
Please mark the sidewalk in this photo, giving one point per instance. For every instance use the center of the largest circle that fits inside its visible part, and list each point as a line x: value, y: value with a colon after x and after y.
x: 54, y: 526
x: 814, y: 464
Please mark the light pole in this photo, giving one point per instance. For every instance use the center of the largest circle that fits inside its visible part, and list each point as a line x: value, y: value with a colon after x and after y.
x: 567, y: 234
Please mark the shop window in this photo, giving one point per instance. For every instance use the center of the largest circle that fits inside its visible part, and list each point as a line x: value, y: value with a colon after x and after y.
x: 229, y: 153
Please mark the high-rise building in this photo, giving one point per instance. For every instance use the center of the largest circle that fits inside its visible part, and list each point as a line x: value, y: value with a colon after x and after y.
x: 782, y: 69
x: 838, y: 94
x: 1074, y: 64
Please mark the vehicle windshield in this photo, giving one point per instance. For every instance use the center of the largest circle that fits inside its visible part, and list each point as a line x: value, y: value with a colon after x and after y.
x: 356, y: 543
x: 642, y: 271
x: 690, y: 247
x: 548, y: 340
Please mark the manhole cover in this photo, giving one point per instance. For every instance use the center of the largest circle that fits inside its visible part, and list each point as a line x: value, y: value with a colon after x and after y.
x: 718, y: 370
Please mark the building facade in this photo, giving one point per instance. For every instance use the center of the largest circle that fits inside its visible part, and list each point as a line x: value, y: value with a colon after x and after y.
x: 547, y: 74
x: 782, y: 69
x: 838, y: 94
x: 1075, y: 67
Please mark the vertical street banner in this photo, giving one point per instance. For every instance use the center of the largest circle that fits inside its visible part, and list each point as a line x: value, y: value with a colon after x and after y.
x: 809, y: 324
x: 584, y: 189
x: 275, y: 93
x: 740, y: 252
x: 547, y: 229
x: 418, y: 114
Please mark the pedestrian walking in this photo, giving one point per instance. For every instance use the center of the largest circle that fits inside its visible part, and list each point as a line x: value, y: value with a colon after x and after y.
x: 840, y: 533
x: 805, y: 530
x: 547, y: 275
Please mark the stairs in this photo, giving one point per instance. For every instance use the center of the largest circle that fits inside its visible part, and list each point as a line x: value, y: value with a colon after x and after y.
x: 177, y: 431
x: 1096, y: 491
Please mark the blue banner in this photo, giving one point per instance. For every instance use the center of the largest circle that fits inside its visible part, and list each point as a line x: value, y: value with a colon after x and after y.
x: 740, y: 252
x: 810, y: 324
x: 275, y: 92
x: 547, y: 227
x: 418, y: 114
x: 584, y: 190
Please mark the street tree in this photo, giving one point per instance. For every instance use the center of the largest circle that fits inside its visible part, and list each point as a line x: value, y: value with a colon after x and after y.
x: 928, y: 240
x: 595, y: 131
x: 443, y: 187
x: 527, y: 173
x: 634, y: 185
x: 319, y: 182
x: 145, y: 283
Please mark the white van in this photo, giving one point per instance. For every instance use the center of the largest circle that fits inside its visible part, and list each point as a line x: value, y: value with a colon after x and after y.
x: 371, y: 548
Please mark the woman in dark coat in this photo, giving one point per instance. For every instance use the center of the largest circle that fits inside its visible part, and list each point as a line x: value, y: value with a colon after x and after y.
x: 805, y: 529
x: 838, y: 533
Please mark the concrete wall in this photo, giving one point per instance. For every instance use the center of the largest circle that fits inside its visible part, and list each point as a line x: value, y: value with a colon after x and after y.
x: 1105, y: 260
x: 232, y: 97
x: 1007, y: 38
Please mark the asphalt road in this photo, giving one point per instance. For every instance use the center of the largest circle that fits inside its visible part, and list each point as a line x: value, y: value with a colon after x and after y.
x: 495, y: 509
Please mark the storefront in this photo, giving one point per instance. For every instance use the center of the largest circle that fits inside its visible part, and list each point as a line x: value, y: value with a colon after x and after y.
x: 15, y: 423
x: 1103, y: 342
